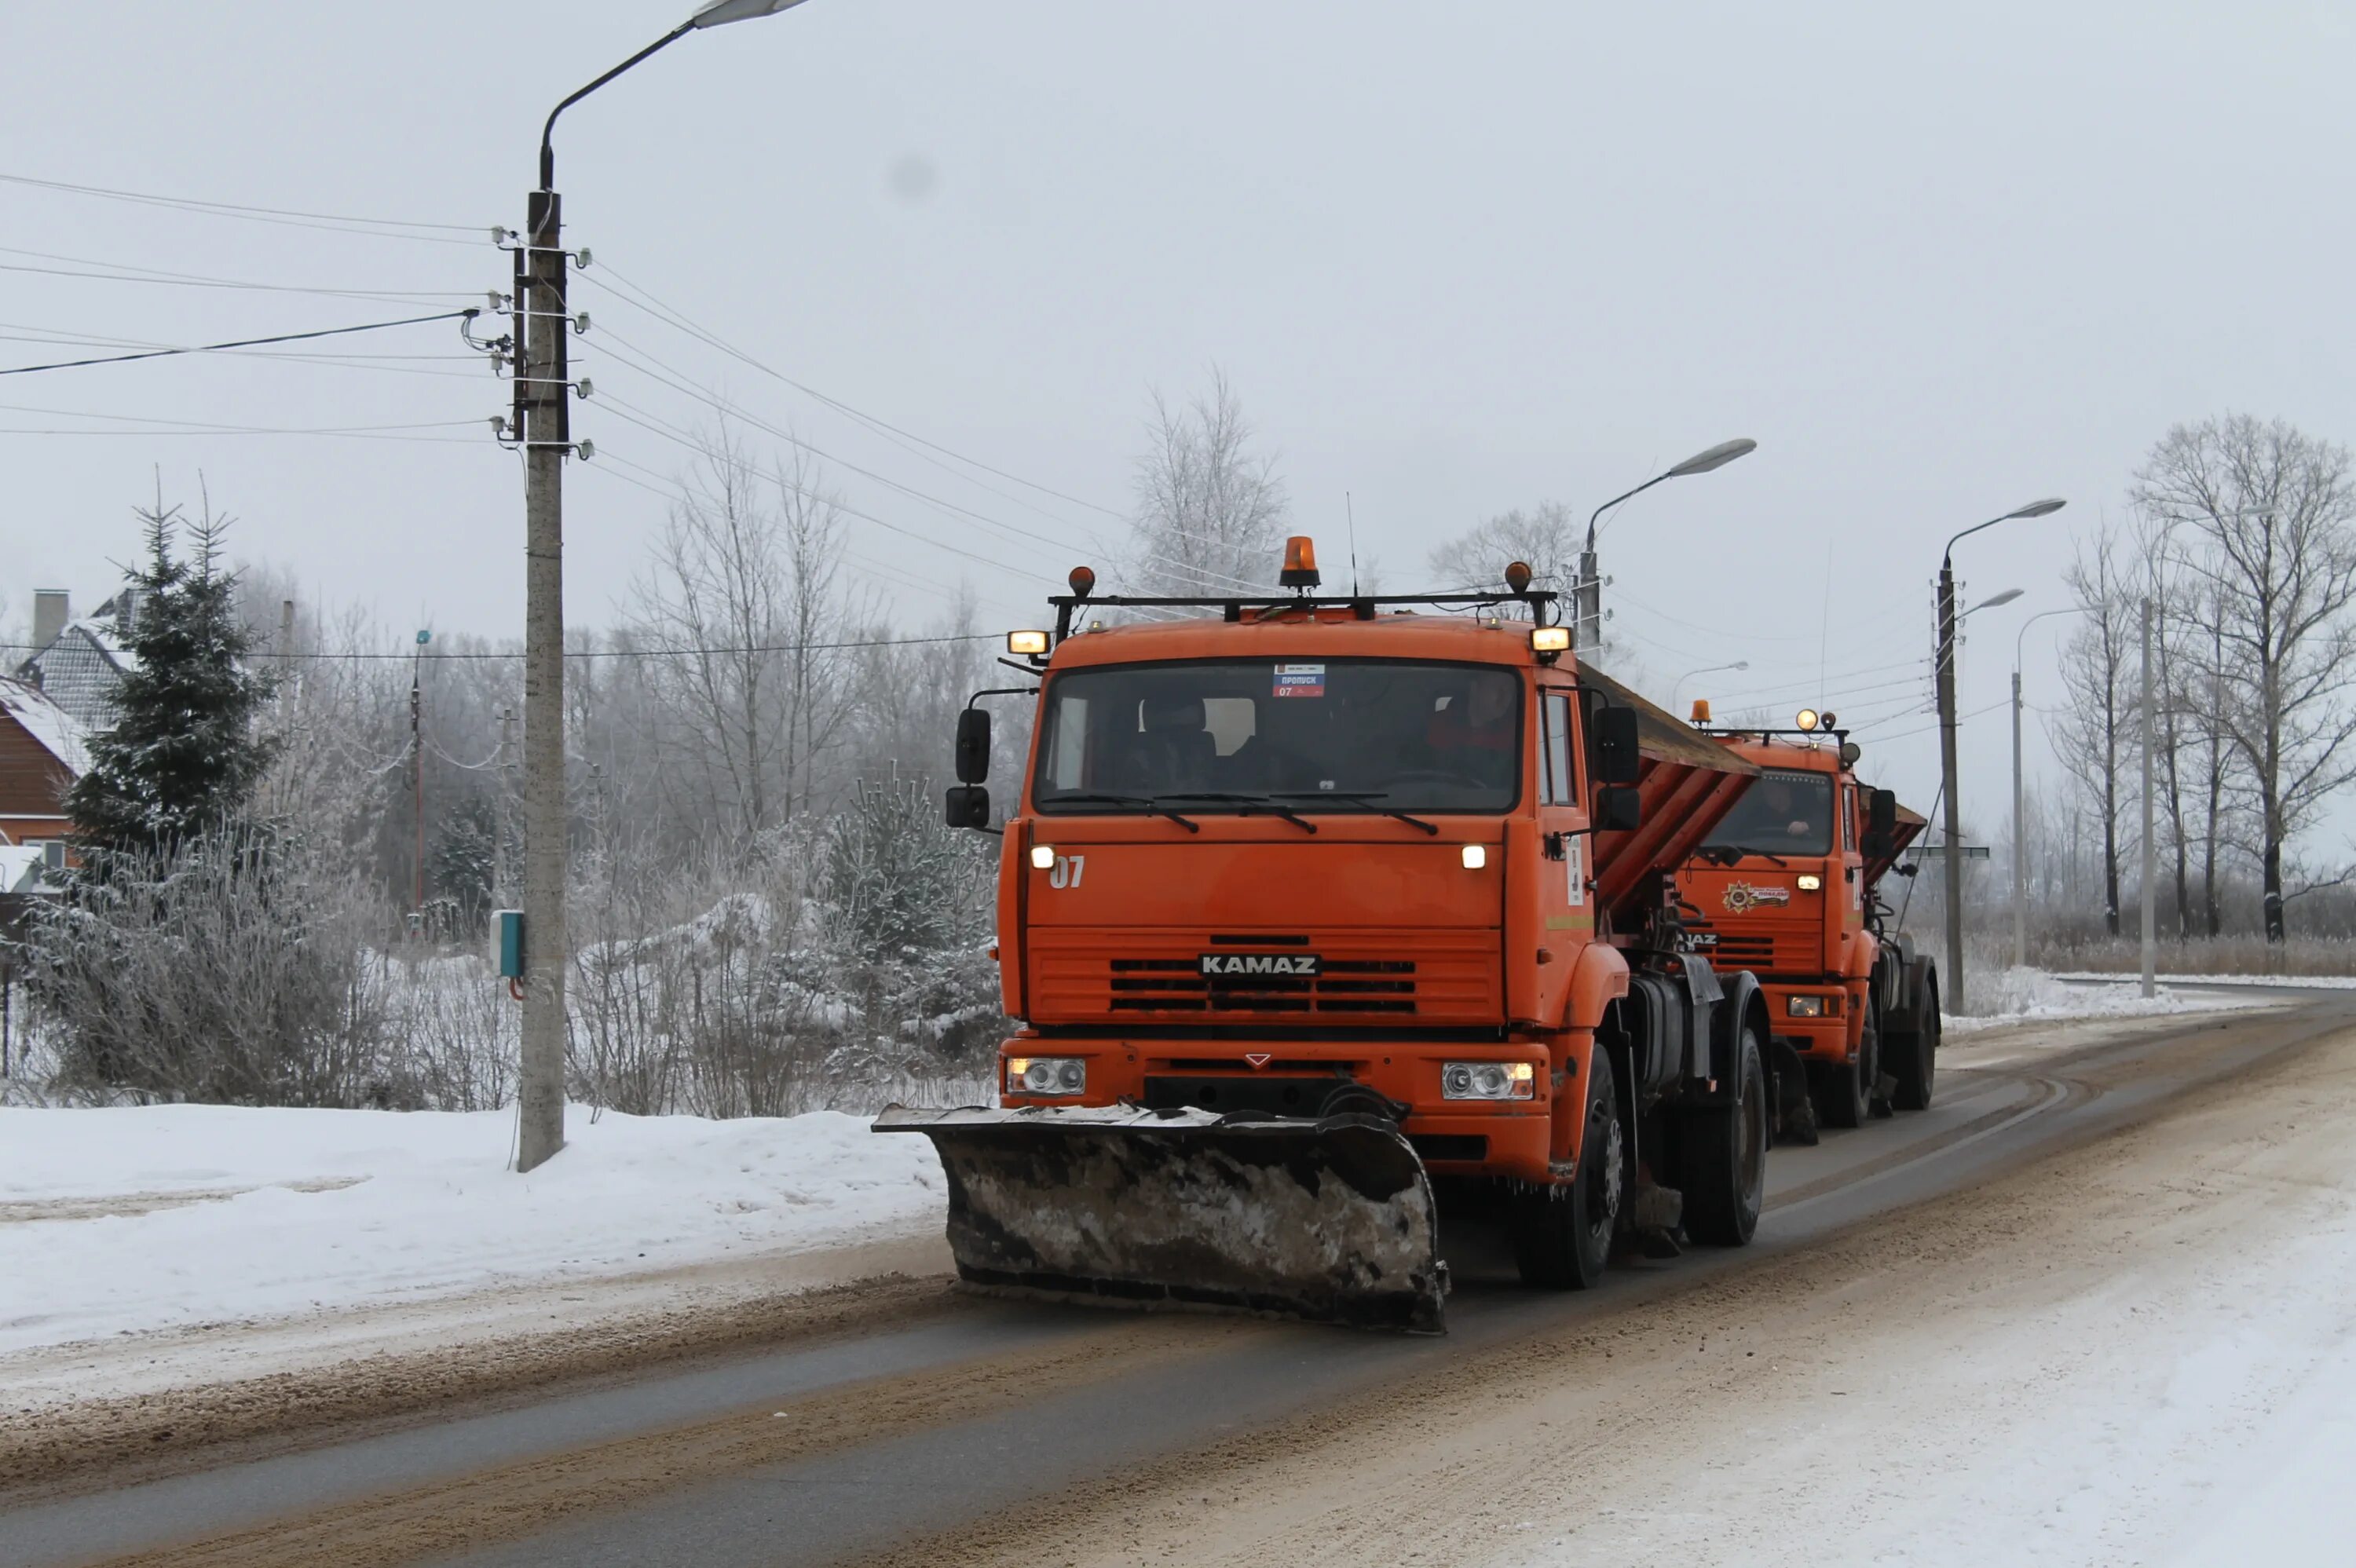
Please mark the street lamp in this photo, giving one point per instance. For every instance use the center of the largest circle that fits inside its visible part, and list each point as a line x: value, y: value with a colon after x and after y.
x: 1945, y: 672
x: 1589, y: 633
x: 1706, y: 669
x: 2020, y: 855
x: 541, y: 428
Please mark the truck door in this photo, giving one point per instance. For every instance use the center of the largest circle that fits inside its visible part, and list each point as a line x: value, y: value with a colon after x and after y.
x: 1566, y: 904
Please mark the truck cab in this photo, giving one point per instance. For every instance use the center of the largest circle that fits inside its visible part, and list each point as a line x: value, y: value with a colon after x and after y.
x: 1785, y: 886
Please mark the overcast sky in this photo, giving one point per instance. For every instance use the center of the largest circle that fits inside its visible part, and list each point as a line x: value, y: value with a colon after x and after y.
x: 1455, y: 258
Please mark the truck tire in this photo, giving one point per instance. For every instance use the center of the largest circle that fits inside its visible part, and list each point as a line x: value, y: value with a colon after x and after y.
x: 1723, y: 1154
x: 1845, y: 1091
x: 1914, y: 1057
x: 1562, y: 1234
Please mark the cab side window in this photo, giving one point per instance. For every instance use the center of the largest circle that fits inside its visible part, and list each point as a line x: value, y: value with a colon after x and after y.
x: 1556, y: 787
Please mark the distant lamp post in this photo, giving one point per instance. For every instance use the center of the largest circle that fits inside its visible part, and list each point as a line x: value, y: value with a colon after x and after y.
x: 1945, y: 673
x: 2019, y: 853
x: 1706, y: 669
x: 1590, y: 587
x: 541, y: 427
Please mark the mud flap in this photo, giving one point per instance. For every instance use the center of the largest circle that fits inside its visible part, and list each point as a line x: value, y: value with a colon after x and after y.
x: 1796, y: 1112
x: 1329, y: 1220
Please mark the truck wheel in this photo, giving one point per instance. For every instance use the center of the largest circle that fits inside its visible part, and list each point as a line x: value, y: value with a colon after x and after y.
x: 1914, y: 1057
x: 1845, y: 1091
x: 1725, y: 1156
x: 1562, y: 1234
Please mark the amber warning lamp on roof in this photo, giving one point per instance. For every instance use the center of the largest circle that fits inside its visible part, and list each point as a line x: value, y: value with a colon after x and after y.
x: 1701, y: 710
x: 1300, y: 563
x: 1083, y: 581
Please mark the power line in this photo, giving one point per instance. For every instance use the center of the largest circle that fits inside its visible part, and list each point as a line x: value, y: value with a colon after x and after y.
x: 381, y: 228
x: 241, y: 343
x: 646, y: 301
x: 122, y: 274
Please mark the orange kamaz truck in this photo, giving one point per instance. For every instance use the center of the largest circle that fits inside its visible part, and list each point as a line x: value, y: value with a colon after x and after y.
x: 1305, y: 901
x: 1786, y: 885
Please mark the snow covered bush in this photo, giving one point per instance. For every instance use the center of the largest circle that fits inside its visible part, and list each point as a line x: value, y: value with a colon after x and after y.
x: 228, y: 968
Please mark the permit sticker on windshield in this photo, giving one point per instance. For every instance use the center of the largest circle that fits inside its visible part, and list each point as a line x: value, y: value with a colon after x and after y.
x: 1300, y: 680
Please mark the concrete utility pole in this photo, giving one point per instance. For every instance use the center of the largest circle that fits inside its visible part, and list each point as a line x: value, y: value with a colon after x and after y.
x: 1587, y: 630
x: 542, y: 428
x: 2150, y: 905
x: 1952, y: 823
x: 1952, y: 982
x: 543, y: 409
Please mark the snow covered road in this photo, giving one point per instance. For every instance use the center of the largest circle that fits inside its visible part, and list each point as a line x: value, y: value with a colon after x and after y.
x: 2098, y: 1306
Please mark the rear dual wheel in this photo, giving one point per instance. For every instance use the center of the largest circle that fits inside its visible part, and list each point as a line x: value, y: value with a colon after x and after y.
x: 1562, y: 1234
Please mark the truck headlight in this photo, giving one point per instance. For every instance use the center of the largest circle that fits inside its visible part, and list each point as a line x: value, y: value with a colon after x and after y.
x: 1803, y: 1006
x: 1809, y: 881
x: 1488, y: 1080
x: 1047, y: 1074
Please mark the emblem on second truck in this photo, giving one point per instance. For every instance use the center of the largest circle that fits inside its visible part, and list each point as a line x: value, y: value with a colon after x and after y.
x: 1742, y: 898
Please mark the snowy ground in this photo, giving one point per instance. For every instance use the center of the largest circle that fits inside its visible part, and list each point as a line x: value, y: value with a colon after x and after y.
x: 2032, y: 996
x: 117, y: 1222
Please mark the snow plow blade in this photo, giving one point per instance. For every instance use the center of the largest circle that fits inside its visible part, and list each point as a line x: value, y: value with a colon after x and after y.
x: 1330, y: 1219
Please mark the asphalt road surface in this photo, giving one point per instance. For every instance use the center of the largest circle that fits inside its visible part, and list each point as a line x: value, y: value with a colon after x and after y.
x: 940, y: 1428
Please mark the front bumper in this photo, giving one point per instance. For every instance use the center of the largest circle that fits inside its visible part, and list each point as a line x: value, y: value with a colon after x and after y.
x: 1314, y: 1078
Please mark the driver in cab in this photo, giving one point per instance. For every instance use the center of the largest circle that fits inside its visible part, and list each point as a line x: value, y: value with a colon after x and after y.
x: 1477, y: 733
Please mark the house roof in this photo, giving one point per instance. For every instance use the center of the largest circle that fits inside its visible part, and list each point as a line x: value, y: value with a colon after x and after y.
x: 79, y: 669
x: 59, y: 732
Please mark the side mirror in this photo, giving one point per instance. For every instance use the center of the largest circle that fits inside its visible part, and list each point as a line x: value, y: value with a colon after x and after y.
x: 1880, y: 812
x: 973, y: 747
x: 1618, y: 809
x: 1616, y: 758
x: 968, y: 806
x: 1878, y: 846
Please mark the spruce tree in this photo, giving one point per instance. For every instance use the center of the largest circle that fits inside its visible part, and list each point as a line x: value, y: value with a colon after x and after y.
x: 182, y: 755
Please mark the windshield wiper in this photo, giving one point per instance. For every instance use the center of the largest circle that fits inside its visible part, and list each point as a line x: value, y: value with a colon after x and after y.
x: 1727, y: 854
x: 1152, y: 805
x: 1363, y: 797
x: 1263, y: 802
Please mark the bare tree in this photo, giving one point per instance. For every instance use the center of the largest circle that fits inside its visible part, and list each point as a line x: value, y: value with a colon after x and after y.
x: 720, y: 589
x: 1546, y: 538
x: 2098, y: 664
x: 2263, y: 512
x: 1211, y: 510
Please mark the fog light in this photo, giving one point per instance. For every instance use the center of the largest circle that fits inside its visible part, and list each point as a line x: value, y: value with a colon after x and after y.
x: 1045, y: 1074
x: 1475, y: 857
x: 1488, y: 1080
x: 1043, y: 857
x: 1804, y: 1007
x: 1032, y: 643
x: 1809, y: 881
x: 1549, y: 640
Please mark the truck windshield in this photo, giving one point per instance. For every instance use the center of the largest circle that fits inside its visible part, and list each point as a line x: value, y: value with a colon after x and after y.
x: 1231, y: 735
x: 1782, y: 813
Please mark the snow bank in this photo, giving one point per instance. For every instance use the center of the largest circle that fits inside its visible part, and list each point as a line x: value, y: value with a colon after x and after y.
x: 2026, y: 996
x: 2268, y: 982
x: 113, y: 1221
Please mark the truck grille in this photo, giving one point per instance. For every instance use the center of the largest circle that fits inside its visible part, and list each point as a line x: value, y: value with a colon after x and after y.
x: 1342, y: 985
x: 1365, y: 976
x: 1766, y: 952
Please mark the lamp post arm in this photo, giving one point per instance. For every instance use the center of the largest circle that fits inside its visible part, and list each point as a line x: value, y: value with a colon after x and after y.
x: 1615, y: 500
x: 1975, y: 528
x: 547, y: 147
